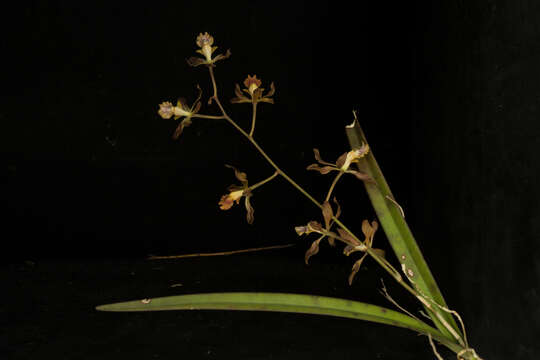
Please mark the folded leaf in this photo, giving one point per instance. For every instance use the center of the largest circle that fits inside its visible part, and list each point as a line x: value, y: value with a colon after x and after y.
x: 396, y: 228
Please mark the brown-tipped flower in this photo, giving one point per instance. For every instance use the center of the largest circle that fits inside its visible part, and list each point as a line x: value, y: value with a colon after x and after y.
x: 255, y: 91
x: 369, y: 233
x: 167, y: 110
x: 205, y: 42
x: 343, y: 163
x: 316, y: 227
x: 236, y: 193
x: 252, y: 83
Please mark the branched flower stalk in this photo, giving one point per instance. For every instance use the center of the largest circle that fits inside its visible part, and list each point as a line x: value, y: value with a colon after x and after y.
x: 448, y: 333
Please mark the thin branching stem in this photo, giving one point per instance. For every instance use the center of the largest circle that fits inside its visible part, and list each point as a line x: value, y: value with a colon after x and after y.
x: 336, y: 179
x: 253, y: 119
x: 207, y: 116
x: 383, y: 262
x: 389, y: 268
x: 252, y: 187
x: 254, y: 143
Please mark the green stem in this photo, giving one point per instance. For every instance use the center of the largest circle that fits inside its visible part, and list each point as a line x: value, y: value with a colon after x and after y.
x: 207, y: 116
x: 253, y: 119
x: 252, y: 187
x: 336, y: 179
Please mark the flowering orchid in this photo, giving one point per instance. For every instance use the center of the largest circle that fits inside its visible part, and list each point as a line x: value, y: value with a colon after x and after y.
x: 252, y: 87
x: 343, y: 163
x: 420, y: 283
x: 236, y: 192
x: 205, y: 42
x: 314, y: 226
x: 167, y: 110
x: 369, y: 233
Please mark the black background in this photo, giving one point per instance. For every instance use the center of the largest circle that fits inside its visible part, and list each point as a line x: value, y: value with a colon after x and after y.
x: 448, y: 95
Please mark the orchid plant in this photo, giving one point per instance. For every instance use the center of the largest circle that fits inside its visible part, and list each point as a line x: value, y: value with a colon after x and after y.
x: 413, y: 274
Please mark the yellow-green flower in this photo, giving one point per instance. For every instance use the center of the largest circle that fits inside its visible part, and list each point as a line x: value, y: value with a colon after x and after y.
x: 255, y: 91
x: 236, y: 192
x: 354, y: 155
x: 205, y: 42
x: 342, y: 163
x: 167, y: 111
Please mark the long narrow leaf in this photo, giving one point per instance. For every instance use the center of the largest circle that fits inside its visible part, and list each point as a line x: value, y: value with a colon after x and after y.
x: 293, y: 303
x: 396, y: 229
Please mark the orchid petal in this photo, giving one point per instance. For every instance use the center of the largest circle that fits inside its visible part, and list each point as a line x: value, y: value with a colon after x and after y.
x: 250, y: 210
x: 348, y: 238
x: 185, y: 123
x: 196, y: 61
x: 241, y: 176
x: 327, y: 214
x: 323, y: 170
x: 271, y: 91
x: 313, y: 249
x: 341, y: 160
x: 355, y: 268
x: 360, y: 175
x: 318, y: 158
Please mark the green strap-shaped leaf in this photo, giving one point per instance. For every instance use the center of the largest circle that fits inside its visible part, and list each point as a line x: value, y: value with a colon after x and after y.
x: 396, y: 229
x: 293, y: 303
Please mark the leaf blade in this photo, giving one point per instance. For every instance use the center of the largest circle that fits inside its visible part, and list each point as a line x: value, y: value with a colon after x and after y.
x: 396, y: 228
x: 280, y: 302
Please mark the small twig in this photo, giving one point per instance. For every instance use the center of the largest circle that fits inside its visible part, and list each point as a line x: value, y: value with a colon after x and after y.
x: 426, y: 301
x: 334, y: 182
x: 396, y: 203
x: 260, y: 183
x: 424, y: 315
x: 434, y: 348
x: 222, y: 253
x: 455, y: 313
x: 384, y: 292
x: 253, y: 119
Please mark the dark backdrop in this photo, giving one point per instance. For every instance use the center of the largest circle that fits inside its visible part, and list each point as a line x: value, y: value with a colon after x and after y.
x: 447, y: 93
